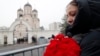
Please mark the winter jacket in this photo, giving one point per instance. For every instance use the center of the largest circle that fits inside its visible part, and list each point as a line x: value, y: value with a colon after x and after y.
x: 87, y: 22
x: 90, y: 44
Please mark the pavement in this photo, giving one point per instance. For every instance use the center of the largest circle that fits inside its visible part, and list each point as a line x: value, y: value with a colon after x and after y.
x: 15, y: 46
x: 36, y: 52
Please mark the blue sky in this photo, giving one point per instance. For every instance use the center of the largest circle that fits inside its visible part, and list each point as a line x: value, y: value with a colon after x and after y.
x: 48, y: 10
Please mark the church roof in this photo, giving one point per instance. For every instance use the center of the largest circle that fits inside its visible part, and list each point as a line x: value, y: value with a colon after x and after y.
x: 20, y: 9
x: 27, y: 4
x: 35, y: 10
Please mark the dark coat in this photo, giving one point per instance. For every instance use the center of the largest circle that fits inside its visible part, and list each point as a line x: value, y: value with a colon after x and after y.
x: 87, y: 19
x: 90, y: 44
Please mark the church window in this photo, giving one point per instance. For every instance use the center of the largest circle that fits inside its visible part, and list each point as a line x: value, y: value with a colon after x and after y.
x: 26, y: 19
x: 20, y: 15
x: 34, y: 15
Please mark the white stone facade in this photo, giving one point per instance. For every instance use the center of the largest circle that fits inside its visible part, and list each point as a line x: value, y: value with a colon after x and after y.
x: 27, y: 24
x: 55, y: 26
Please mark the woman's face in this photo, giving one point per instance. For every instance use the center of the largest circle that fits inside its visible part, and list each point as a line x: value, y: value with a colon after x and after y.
x: 71, y: 12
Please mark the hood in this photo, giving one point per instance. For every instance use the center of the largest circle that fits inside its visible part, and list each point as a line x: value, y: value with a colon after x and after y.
x: 88, y: 16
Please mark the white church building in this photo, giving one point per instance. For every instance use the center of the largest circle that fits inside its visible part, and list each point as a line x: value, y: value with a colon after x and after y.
x: 27, y: 24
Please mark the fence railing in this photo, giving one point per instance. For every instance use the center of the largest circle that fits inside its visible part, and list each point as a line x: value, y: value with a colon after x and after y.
x: 29, y: 51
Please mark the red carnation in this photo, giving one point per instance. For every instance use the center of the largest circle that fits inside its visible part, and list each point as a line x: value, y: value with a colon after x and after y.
x: 61, y: 46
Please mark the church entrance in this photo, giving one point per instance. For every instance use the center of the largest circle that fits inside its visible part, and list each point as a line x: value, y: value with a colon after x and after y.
x: 20, y: 34
x: 5, y: 40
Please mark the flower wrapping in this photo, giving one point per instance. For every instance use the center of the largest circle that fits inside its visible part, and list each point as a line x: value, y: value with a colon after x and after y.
x: 62, y: 46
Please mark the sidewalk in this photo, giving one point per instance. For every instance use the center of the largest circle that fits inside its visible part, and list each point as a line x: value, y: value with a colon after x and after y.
x: 14, y: 47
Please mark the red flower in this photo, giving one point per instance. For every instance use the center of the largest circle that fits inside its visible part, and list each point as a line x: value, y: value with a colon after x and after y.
x: 61, y: 46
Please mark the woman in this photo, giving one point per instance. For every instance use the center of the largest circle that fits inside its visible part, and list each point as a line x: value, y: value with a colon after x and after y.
x: 83, y: 16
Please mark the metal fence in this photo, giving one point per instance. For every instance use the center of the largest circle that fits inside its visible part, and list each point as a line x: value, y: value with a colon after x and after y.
x: 30, y: 51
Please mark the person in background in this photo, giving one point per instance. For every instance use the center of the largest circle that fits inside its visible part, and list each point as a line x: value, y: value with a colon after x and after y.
x: 33, y: 39
x: 83, y: 17
x: 53, y: 36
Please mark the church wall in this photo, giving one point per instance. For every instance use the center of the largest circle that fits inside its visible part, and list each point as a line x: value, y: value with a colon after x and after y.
x: 28, y: 19
x: 27, y: 10
x: 46, y: 33
x: 36, y: 23
x: 10, y: 38
x: 37, y: 34
x: 30, y: 37
x: 2, y: 35
x: 1, y: 38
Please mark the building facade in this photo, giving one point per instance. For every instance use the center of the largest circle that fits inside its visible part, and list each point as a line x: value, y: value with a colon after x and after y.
x: 26, y: 25
x: 55, y: 26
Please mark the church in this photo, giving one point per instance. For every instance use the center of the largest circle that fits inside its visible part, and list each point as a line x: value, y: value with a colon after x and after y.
x: 26, y: 25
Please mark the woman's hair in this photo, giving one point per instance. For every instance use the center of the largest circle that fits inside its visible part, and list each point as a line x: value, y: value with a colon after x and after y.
x: 73, y: 2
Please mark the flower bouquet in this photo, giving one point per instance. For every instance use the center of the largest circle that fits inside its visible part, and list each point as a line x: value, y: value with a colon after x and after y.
x: 62, y: 46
